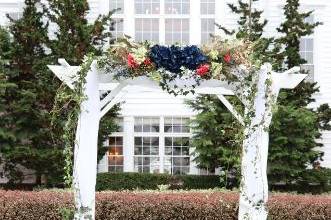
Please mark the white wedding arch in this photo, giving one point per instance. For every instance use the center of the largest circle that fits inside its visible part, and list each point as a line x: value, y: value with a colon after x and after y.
x: 254, y: 185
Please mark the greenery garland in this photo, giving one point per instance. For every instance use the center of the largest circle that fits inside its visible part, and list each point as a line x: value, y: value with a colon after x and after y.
x: 71, y: 99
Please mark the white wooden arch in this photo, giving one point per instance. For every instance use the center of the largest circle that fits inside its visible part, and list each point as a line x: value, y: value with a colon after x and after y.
x: 254, y: 185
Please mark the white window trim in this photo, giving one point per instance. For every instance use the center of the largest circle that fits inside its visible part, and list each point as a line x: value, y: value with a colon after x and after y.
x: 161, y: 135
x: 194, y: 17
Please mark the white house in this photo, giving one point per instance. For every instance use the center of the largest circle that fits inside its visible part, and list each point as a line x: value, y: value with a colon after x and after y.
x: 154, y: 135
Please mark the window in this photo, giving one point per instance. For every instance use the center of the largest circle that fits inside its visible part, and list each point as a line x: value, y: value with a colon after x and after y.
x: 146, y: 124
x: 150, y: 133
x: 147, y: 29
x: 177, y: 6
x: 176, y: 125
x: 177, y: 156
x: 207, y: 29
x: 146, y: 151
x: 147, y: 6
x: 115, y: 154
x: 177, y: 31
x: 207, y: 7
x: 15, y: 15
x: 307, y: 52
x: 117, y: 4
x: 117, y: 31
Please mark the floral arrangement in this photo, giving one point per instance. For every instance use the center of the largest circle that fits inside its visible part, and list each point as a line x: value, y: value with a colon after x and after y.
x: 165, y: 64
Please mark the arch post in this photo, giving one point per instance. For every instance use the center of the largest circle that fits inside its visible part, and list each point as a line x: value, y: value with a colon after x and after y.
x: 85, y: 154
x: 254, y: 183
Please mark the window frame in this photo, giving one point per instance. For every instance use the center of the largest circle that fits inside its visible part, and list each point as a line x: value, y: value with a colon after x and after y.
x: 311, y: 74
x: 161, y: 135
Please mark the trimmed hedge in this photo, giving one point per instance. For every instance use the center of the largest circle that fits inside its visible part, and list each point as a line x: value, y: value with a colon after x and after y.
x: 51, y: 205
x: 129, y: 181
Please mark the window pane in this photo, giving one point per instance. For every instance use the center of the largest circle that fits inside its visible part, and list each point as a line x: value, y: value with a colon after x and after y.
x: 309, y: 45
x: 177, y: 31
x: 168, y: 141
x: 112, y: 141
x: 119, y: 141
x: 146, y: 150
x: 117, y: 4
x: 147, y: 6
x: 177, y: 151
x: 119, y: 122
x: 207, y: 7
x: 185, y: 151
x: 176, y: 125
x: 177, y: 6
x: 138, y: 141
x: 207, y: 29
x: 147, y: 29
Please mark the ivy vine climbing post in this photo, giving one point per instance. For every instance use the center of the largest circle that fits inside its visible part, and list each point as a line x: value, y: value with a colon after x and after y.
x: 258, y: 115
x: 85, y: 154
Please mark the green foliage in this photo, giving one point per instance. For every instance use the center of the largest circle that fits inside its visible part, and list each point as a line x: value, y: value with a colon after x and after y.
x: 296, y: 127
x: 130, y: 181
x: 86, y: 40
x: 250, y: 27
x: 25, y: 116
x: 76, y: 37
x: 67, y: 213
x: 30, y: 136
x: 216, y: 135
x: 320, y: 179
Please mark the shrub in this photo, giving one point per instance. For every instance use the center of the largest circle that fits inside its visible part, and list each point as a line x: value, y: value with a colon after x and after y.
x: 51, y: 205
x: 315, y: 181
x: 129, y: 181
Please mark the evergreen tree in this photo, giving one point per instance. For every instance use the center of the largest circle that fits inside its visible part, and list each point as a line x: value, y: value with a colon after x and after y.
x: 296, y: 127
x: 214, y: 130
x: 251, y: 27
x: 27, y: 105
x: 215, y: 127
x: 76, y: 37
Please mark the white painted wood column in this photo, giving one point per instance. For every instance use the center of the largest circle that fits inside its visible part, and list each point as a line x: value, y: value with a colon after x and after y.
x: 128, y: 143
x: 161, y: 145
x: 85, y: 155
x: 254, y: 184
x: 129, y: 18
x: 195, y: 22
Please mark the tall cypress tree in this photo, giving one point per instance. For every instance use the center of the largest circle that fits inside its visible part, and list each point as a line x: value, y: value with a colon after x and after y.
x: 27, y: 105
x: 296, y: 127
x: 75, y: 35
x: 6, y: 135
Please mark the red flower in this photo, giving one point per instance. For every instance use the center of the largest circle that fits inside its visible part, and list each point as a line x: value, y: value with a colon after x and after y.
x: 131, y: 62
x: 203, y: 69
x: 227, y: 58
x: 147, y: 62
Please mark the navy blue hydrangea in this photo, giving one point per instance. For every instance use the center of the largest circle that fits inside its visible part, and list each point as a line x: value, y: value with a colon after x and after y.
x: 174, y: 57
x: 193, y: 57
